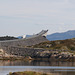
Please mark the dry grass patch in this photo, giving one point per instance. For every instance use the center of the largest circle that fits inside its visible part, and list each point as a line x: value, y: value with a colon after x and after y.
x: 29, y: 73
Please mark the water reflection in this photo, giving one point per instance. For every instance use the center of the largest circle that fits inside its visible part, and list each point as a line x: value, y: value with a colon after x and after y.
x: 57, y: 68
x: 35, y: 63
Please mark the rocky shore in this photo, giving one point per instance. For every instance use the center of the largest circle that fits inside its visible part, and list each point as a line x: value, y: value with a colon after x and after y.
x: 56, y: 56
x: 38, y: 54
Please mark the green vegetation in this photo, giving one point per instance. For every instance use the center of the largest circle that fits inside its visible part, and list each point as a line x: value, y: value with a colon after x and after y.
x: 68, y: 44
x: 28, y: 73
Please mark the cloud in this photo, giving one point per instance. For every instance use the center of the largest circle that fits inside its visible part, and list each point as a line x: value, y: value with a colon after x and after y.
x: 39, y: 14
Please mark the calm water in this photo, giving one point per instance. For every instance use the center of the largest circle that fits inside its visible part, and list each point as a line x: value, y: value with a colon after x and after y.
x: 57, y: 68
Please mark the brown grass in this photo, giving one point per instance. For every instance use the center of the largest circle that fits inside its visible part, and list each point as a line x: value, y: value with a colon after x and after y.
x: 68, y: 44
x: 28, y: 73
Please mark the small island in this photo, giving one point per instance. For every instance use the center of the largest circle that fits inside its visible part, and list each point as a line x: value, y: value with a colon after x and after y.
x: 29, y: 73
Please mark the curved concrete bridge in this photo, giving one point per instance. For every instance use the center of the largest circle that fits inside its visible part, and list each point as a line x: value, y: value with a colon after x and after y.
x: 8, y: 45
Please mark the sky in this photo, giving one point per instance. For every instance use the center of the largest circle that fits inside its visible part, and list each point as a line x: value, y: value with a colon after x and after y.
x: 21, y: 17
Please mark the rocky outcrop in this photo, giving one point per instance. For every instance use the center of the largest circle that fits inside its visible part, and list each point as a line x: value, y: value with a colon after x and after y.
x: 37, y: 53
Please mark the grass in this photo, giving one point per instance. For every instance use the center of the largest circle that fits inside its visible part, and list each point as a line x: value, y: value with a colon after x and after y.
x: 68, y: 44
x: 28, y: 73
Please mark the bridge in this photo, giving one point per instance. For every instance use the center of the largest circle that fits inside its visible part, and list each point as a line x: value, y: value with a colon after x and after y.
x: 10, y: 46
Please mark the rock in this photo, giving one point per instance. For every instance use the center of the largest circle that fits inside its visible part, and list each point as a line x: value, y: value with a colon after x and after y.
x: 28, y: 57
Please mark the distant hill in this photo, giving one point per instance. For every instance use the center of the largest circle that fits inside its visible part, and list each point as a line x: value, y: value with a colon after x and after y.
x: 7, y: 38
x: 28, y: 35
x: 62, y: 36
x: 58, y: 36
x: 20, y: 37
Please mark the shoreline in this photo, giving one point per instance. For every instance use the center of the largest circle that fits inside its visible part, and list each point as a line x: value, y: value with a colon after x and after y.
x: 71, y: 59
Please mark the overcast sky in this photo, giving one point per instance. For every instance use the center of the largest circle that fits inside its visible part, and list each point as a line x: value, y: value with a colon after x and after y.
x: 19, y: 17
